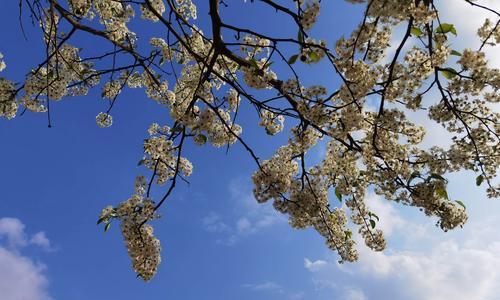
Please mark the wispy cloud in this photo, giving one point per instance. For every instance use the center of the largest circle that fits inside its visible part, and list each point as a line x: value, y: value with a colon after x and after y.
x: 213, y: 223
x: 246, y: 215
x: 354, y: 294
x: 314, y: 266
x: 266, y: 286
x: 41, y: 240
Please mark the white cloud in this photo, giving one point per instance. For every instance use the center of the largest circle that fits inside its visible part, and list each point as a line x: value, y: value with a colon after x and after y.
x: 243, y: 225
x: 40, y: 239
x: 13, y: 230
x: 21, y: 278
x: 448, y: 271
x: 266, y: 286
x: 212, y: 223
x: 248, y: 217
x: 462, y: 266
x: 314, y: 266
x: 467, y: 19
x: 354, y: 294
x: 389, y: 219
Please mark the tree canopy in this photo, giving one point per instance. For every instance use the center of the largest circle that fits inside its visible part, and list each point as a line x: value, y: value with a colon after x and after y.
x: 203, y: 79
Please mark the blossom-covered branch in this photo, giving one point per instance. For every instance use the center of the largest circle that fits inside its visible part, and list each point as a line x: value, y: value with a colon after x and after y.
x: 205, y: 81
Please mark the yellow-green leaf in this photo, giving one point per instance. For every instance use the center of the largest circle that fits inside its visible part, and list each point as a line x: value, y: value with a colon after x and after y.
x: 445, y: 28
x: 339, y: 196
x: 441, y: 192
x: 415, y: 31
x: 449, y: 73
x: 460, y: 203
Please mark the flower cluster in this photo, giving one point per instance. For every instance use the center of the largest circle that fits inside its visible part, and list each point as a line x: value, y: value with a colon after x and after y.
x: 313, y: 52
x: 310, y: 15
x: 157, y: 7
x: 489, y: 32
x: 273, y: 123
x: 258, y: 76
x: 104, y: 120
x: 142, y: 246
x: 8, y: 105
x: 186, y: 9
x: 252, y: 46
x: 2, y: 63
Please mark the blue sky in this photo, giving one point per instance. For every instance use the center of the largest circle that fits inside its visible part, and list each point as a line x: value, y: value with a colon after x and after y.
x: 218, y: 243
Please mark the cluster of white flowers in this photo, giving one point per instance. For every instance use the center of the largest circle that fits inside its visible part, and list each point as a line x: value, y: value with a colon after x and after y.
x: 166, y: 51
x: 81, y: 8
x: 313, y: 52
x: 310, y: 15
x: 3, y: 65
x: 489, y: 32
x: 8, y: 105
x: 158, y: 7
x: 421, y: 13
x: 233, y: 99
x: 104, y: 120
x: 155, y: 129
x: 186, y: 9
x: 65, y: 75
x: 115, y: 15
x: 426, y: 196
x: 111, y: 89
x: 162, y: 156
x: 271, y: 121
x: 258, y: 76
x: 252, y: 46
x: 142, y: 246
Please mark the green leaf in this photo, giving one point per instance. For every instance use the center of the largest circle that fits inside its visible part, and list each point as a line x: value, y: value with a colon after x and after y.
x: 348, y: 234
x: 479, y: 180
x: 300, y: 37
x: 268, y: 64
x: 293, y: 59
x: 101, y: 220
x: 460, y: 203
x: 456, y: 53
x: 313, y: 56
x: 372, y: 223
x: 449, y: 73
x: 437, y: 176
x: 177, y: 129
x: 374, y: 215
x: 445, y: 28
x: 107, y: 227
x: 416, y: 31
x: 141, y: 162
x: 418, y: 100
x: 441, y: 192
x: 338, y: 194
x: 203, y: 138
